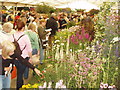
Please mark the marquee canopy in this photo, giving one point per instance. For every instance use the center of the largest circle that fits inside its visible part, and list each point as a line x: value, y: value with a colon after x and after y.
x: 54, y: 3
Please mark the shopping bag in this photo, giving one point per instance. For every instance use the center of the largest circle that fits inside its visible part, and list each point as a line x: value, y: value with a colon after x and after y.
x: 35, y: 60
x: 14, y: 72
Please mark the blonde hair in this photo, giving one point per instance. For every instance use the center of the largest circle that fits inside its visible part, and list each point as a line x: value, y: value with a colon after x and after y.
x: 32, y: 27
x: 7, y: 47
x: 7, y: 27
x: 42, y: 20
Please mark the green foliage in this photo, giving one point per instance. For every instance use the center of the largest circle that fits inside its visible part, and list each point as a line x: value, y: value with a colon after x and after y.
x: 80, y: 10
x: 70, y: 24
x: 93, y: 64
x: 93, y: 11
x: 106, y: 29
x: 45, y: 9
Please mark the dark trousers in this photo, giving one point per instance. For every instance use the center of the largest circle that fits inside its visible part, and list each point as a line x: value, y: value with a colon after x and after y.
x: 20, y: 70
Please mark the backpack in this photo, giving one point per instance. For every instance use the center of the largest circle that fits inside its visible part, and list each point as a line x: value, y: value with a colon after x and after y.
x: 18, y: 50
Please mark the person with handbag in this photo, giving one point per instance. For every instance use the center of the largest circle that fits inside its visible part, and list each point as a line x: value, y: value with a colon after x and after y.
x: 34, y: 39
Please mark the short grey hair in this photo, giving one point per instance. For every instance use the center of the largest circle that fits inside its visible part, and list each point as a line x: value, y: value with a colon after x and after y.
x: 7, y: 26
x: 53, y: 14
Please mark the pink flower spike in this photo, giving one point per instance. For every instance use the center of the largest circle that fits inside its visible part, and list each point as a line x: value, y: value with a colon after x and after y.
x: 86, y: 36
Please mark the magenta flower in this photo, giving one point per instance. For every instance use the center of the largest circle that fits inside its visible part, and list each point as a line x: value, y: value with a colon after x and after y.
x: 79, y: 72
x: 95, y: 73
x: 87, y: 36
x: 80, y: 37
x: 49, y: 57
x: 88, y: 65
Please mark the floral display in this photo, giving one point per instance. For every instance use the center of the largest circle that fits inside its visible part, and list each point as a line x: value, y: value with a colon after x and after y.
x: 77, y: 62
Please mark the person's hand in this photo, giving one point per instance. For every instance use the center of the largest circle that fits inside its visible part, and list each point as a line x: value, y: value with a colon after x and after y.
x: 38, y: 72
x: 7, y: 68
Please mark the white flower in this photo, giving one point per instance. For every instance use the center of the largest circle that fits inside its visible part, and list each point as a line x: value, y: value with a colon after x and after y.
x: 110, y: 87
x: 79, y: 50
x: 105, y: 85
x: 101, y: 85
x: 59, y: 84
x: 40, y: 87
x: 57, y: 41
x: 62, y: 44
x: 71, y: 50
x: 49, y: 84
x: 63, y: 86
x: 97, y: 42
x: 87, y: 47
x: 45, y: 85
x: 115, y: 39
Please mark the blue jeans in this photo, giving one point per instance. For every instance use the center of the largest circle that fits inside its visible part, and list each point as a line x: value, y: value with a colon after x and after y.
x: 26, y: 72
x: 41, y: 54
x: 5, y: 82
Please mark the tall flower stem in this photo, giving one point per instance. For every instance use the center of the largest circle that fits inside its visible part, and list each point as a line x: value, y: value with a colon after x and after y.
x: 108, y: 67
x: 67, y: 46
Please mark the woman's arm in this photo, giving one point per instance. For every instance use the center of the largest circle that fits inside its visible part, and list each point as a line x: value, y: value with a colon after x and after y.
x: 25, y: 62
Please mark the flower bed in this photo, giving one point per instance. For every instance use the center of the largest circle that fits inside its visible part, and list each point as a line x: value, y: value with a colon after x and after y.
x: 84, y: 64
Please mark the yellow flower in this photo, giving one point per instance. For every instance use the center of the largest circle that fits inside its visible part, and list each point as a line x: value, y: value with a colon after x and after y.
x: 26, y: 86
x: 29, y: 85
x: 35, y: 86
x: 23, y: 86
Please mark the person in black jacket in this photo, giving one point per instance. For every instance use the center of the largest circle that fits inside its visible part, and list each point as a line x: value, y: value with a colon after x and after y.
x: 62, y: 22
x: 52, y: 24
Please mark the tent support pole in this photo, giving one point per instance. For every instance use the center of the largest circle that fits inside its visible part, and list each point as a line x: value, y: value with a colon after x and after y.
x: 1, y: 14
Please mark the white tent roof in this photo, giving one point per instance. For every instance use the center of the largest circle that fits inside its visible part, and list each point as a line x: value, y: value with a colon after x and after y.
x: 80, y: 5
x: 34, y: 2
x: 54, y: 3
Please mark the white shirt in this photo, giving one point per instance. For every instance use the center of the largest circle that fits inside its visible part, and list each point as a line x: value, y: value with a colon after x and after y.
x: 3, y: 37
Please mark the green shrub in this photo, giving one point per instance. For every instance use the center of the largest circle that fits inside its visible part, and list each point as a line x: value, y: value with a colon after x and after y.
x: 45, y: 9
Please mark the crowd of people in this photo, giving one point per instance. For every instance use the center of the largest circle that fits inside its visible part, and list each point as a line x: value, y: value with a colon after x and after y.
x: 32, y: 31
